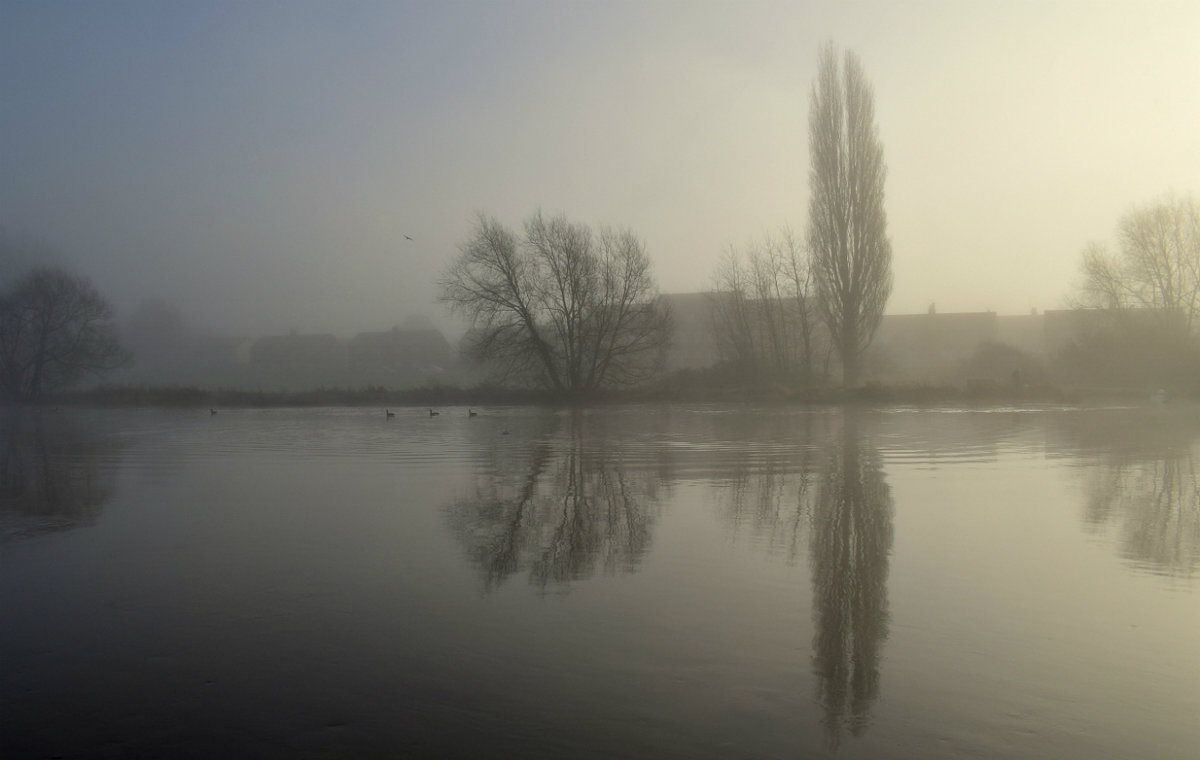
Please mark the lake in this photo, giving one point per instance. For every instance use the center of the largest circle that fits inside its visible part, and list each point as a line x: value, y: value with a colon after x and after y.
x: 690, y: 581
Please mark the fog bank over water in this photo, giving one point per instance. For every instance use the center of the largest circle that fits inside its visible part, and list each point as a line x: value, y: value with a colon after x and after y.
x: 262, y: 167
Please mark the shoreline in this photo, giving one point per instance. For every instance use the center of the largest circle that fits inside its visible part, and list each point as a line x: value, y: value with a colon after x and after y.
x: 931, y: 395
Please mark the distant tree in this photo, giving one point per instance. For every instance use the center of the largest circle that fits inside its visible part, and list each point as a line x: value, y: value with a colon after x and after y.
x: 55, y: 328
x: 1145, y: 299
x: 764, y: 309
x: 1157, y: 268
x: 847, y: 225
x: 560, y: 307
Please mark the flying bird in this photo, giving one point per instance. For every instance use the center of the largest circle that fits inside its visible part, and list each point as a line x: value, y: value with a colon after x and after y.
x: 406, y: 237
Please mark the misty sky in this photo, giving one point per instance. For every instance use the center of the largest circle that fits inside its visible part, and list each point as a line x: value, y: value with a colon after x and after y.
x: 259, y: 164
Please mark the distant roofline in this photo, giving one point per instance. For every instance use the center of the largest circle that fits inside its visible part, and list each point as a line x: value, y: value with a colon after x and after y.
x: 1039, y: 312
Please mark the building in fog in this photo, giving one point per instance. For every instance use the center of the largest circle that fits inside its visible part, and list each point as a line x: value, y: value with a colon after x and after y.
x: 927, y: 347
x: 1024, y: 331
x: 930, y: 347
x: 398, y: 357
x: 692, y: 342
x: 298, y: 360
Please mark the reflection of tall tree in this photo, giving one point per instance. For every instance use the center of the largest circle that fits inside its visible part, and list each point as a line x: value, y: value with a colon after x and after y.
x: 575, y: 509
x: 50, y: 478
x: 850, y: 541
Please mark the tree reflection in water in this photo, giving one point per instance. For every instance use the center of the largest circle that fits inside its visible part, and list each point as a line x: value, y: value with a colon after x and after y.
x: 832, y: 490
x: 850, y: 540
x: 50, y: 477
x: 768, y: 495
x: 558, y: 509
x: 1151, y: 492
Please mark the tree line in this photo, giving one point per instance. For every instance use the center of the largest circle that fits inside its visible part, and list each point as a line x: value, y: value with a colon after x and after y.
x: 561, y: 306
x: 575, y: 311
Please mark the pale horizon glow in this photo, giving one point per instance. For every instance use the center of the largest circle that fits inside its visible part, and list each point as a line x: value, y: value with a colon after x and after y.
x: 259, y: 165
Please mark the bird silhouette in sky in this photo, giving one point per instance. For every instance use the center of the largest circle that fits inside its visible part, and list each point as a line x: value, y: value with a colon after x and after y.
x: 406, y: 237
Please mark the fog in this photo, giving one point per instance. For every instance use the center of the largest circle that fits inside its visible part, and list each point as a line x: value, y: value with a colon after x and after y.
x: 262, y: 166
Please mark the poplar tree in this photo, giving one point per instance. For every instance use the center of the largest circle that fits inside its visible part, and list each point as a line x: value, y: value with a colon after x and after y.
x: 847, y: 225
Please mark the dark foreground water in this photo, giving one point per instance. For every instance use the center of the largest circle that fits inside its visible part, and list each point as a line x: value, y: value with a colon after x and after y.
x: 659, y: 582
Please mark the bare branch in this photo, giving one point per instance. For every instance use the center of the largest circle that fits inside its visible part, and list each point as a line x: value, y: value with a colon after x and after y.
x: 563, y: 307
x: 55, y: 329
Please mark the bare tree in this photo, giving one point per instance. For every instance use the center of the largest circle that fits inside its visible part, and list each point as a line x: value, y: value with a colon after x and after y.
x: 1157, y: 269
x: 563, y: 307
x: 847, y: 225
x: 764, y: 308
x: 733, y: 319
x: 55, y: 328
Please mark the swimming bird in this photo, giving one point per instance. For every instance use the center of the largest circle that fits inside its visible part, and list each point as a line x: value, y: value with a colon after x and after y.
x: 472, y: 413
x: 504, y: 432
x: 211, y: 412
x: 390, y: 413
x: 433, y: 413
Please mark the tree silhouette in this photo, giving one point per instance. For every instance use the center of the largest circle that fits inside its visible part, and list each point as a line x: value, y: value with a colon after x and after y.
x: 1157, y: 269
x: 847, y: 225
x: 764, y: 310
x: 561, y: 307
x: 55, y: 328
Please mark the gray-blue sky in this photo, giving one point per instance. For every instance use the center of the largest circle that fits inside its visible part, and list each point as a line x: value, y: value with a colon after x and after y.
x: 259, y: 164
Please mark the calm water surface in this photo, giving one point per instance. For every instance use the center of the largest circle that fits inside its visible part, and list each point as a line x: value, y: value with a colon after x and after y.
x: 708, y: 581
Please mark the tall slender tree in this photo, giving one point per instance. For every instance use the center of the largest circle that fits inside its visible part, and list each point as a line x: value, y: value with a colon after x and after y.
x: 847, y: 225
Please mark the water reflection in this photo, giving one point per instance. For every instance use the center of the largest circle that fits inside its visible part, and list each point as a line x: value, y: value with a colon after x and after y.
x: 557, y: 509
x: 1150, y: 492
x: 770, y: 497
x: 833, y: 491
x: 1144, y: 482
x: 50, y: 473
x: 850, y: 540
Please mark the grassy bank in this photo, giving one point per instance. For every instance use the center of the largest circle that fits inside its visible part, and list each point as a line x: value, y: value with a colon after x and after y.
x: 672, y: 391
